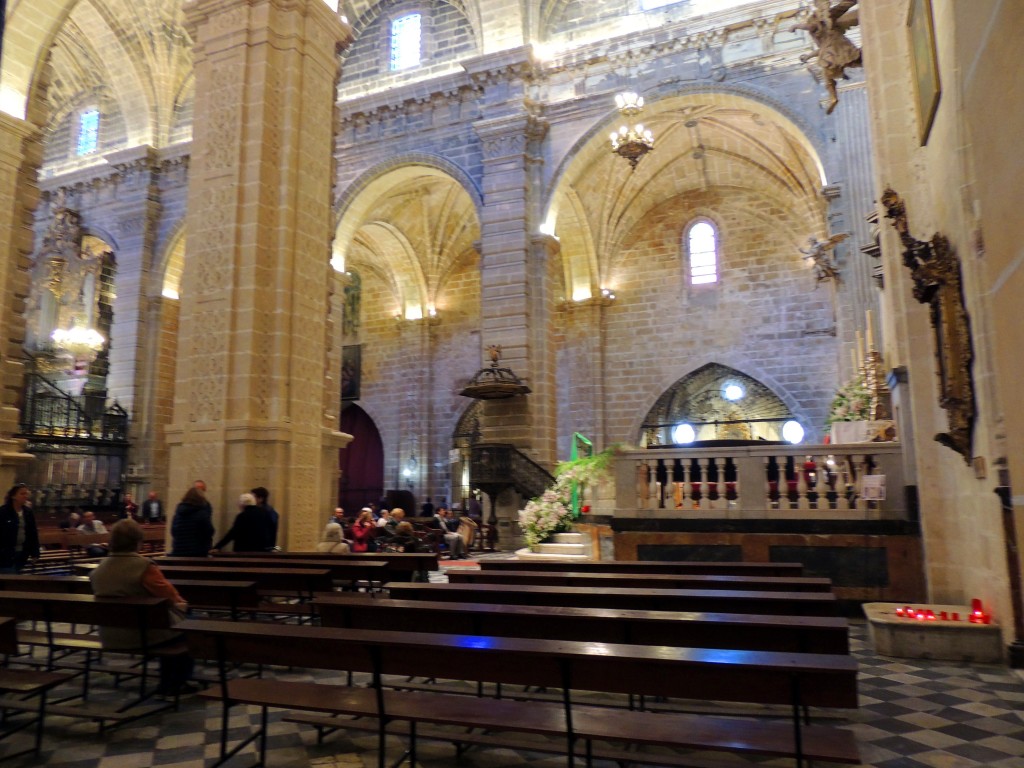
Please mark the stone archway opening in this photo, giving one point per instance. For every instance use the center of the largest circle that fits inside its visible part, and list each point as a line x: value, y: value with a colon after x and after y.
x: 714, y: 403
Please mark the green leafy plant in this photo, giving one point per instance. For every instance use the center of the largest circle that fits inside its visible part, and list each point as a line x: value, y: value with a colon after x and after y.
x: 551, y: 512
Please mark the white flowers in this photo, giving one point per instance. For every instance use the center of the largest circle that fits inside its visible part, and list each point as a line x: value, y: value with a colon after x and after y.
x: 552, y: 511
x: 852, y: 402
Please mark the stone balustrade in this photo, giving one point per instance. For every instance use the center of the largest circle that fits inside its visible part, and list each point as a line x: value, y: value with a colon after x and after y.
x: 761, y: 482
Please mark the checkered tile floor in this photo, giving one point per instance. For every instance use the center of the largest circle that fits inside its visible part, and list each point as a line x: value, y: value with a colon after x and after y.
x: 913, y: 714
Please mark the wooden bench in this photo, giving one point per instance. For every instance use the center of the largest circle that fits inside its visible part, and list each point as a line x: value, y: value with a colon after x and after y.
x: 140, y: 613
x: 541, y: 577
x: 402, y: 566
x: 23, y: 684
x: 753, y: 677
x: 232, y: 597
x: 374, y: 573
x: 300, y: 582
x: 717, y: 601
x: 803, y: 634
x: 648, y: 566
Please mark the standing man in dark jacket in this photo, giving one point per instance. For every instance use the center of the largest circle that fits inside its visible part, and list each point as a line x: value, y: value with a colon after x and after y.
x: 19, y: 537
x: 253, y: 530
x: 263, y: 500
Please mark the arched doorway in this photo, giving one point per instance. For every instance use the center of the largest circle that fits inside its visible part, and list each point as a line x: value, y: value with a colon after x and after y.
x: 361, y: 480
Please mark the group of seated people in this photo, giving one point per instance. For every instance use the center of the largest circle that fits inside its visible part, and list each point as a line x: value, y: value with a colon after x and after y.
x: 391, y: 532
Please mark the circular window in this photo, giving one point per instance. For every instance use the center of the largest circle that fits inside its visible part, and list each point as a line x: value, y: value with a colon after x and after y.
x: 733, y: 392
x: 792, y: 432
x: 683, y: 434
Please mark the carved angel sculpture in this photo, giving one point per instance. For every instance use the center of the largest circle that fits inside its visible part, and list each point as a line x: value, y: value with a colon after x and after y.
x: 817, y: 251
x: 827, y: 26
x: 494, y: 352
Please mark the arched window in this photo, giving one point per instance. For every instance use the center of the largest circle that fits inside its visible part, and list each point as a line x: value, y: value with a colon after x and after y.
x: 88, y: 132
x: 702, y: 252
x: 406, y: 38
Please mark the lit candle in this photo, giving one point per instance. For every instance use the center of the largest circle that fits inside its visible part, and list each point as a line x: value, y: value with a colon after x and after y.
x: 870, y: 337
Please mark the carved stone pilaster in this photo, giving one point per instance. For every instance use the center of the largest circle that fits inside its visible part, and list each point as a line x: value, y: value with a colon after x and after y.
x: 20, y: 155
x: 249, y: 405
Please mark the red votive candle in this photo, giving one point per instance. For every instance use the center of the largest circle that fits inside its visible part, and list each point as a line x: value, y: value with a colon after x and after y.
x: 930, y: 615
x: 899, y: 611
x: 944, y: 616
x: 956, y: 616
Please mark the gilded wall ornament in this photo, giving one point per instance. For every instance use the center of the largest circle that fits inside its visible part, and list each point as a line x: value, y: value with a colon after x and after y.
x: 935, y: 270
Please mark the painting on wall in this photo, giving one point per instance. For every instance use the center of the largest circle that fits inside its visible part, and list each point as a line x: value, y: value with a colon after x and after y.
x: 925, y: 66
x: 351, y: 371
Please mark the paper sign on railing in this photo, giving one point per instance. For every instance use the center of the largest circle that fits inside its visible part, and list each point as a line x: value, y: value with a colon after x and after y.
x: 873, y: 488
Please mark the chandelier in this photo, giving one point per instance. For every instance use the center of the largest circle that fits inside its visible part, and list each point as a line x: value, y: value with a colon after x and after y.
x: 631, y: 141
x: 80, y: 342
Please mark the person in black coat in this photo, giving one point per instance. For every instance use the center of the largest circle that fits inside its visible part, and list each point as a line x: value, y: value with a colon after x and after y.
x: 254, y: 529
x: 192, y: 526
x: 19, y: 537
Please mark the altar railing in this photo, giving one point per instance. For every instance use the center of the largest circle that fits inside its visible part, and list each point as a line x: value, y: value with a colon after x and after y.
x: 773, y: 481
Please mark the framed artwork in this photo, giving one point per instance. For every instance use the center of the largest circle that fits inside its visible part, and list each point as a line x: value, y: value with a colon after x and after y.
x: 351, y: 371
x: 924, y: 64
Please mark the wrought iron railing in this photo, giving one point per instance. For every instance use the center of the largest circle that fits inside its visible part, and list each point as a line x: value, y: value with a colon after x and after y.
x: 494, y: 466
x: 49, y: 413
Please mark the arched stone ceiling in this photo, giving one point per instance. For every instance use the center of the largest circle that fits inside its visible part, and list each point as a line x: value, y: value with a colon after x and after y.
x: 701, y: 142
x: 134, y: 51
x: 362, y: 12
x: 411, y: 227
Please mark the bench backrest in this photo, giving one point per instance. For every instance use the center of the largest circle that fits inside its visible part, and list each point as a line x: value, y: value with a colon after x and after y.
x: 644, y: 599
x: 397, y: 561
x: 635, y: 580
x: 805, y: 634
x: 649, y: 566
x: 340, y: 569
x: 284, y: 579
x: 207, y: 592
x: 128, y: 612
x: 696, y: 673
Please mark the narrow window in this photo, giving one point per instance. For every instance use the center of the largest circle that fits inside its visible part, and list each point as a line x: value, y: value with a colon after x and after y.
x: 405, y: 41
x: 88, y: 131
x: 702, y: 249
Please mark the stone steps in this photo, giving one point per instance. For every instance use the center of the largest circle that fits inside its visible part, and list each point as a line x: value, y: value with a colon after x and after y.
x: 566, y: 546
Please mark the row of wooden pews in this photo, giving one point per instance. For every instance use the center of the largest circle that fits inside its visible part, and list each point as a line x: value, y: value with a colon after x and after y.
x: 712, y: 642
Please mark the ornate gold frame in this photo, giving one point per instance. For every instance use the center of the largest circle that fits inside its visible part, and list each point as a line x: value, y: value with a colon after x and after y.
x: 935, y: 270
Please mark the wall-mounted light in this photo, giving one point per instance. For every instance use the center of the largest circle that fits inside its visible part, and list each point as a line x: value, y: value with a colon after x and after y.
x: 608, y: 293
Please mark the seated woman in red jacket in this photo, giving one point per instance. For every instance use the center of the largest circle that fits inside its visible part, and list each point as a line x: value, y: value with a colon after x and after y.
x: 364, y: 530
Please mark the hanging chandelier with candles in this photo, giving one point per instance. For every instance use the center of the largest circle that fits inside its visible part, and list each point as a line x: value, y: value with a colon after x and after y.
x: 631, y: 141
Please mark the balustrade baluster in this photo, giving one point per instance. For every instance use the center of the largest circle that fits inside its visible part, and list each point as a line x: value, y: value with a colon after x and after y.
x: 772, y: 481
x: 661, y: 478
x: 678, y: 483
x: 697, y: 497
x: 715, y: 500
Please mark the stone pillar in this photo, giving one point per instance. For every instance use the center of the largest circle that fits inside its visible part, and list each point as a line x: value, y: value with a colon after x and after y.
x: 249, y: 400
x: 585, y: 336
x: 20, y: 155
x: 509, y: 300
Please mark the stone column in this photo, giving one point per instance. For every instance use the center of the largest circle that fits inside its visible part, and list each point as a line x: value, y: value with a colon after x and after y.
x: 511, y: 303
x: 585, y: 336
x: 20, y: 155
x: 249, y: 400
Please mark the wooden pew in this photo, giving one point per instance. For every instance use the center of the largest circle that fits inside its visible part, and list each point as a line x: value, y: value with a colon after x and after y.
x: 803, y: 634
x: 140, y: 613
x: 301, y: 582
x: 648, y: 566
x: 754, y: 677
x: 541, y: 577
x: 717, y: 601
x: 232, y: 597
x: 23, y: 684
x: 401, y: 565
x: 372, y: 572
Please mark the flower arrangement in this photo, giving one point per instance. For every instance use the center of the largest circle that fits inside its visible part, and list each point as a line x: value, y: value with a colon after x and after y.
x: 852, y: 402
x: 552, y: 511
